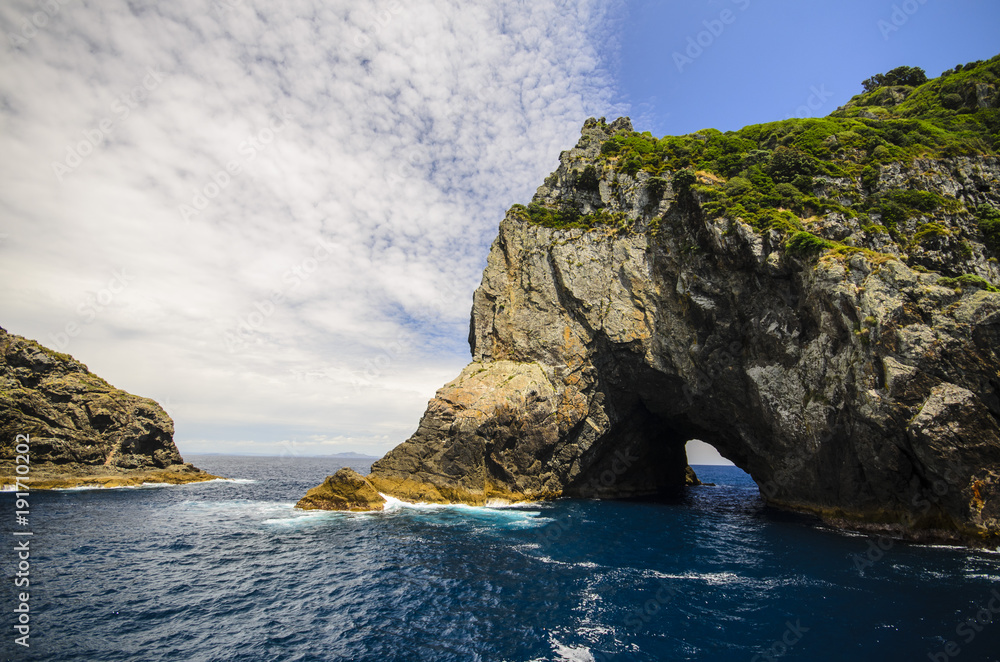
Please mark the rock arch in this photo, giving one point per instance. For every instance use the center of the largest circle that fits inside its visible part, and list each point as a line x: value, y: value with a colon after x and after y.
x: 848, y: 385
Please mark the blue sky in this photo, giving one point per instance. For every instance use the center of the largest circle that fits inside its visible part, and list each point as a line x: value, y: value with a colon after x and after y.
x: 271, y: 217
x: 757, y: 60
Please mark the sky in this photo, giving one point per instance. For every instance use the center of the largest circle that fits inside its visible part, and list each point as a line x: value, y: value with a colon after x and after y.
x: 271, y: 216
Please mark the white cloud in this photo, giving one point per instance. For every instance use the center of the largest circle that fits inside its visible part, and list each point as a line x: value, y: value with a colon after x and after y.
x: 347, y: 243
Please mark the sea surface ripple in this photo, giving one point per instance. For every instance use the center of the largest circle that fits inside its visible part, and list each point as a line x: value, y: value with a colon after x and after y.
x: 230, y: 571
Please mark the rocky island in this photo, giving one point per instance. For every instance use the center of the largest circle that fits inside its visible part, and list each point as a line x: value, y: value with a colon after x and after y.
x: 816, y: 298
x: 82, y: 430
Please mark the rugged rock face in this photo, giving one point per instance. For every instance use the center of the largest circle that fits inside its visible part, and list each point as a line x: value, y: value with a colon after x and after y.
x: 511, y: 430
x: 82, y: 430
x: 852, y: 369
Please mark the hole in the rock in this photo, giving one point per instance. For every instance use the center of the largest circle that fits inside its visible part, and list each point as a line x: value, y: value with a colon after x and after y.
x: 700, y: 453
x: 711, y: 467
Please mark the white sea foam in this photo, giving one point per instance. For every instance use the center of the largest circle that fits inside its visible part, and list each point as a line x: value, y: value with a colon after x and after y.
x: 517, y: 517
x: 301, y: 517
x: 570, y: 653
x: 236, y: 481
x: 143, y: 486
x: 280, y: 513
x: 392, y: 503
x: 574, y: 564
x: 711, y: 578
x: 987, y: 577
x: 148, y: 486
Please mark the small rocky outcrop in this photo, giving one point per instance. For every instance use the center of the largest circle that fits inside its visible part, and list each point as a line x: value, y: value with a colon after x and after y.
x: 82, y: 430
x: 345, y: 490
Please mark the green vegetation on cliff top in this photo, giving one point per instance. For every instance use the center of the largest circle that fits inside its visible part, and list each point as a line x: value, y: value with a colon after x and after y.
x: 768, y: 175
x: 943, y: 117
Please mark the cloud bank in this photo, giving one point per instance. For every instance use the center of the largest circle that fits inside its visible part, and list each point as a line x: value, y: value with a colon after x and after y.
x: 271, y: 216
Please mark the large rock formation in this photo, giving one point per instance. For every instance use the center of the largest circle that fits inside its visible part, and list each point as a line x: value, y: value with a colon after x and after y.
x: 82, y: 430
x: 837, y: 338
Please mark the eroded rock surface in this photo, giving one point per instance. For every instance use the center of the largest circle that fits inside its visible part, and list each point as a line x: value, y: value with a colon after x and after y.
x: 345, y: 490
x: 82, y: 430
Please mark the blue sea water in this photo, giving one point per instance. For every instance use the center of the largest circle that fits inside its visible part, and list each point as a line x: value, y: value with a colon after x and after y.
x: 230, y: 571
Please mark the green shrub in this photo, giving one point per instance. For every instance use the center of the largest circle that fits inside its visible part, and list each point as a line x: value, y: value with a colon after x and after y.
x: 924, y: 201
x: 739, y: 186
x: 929, y: 230
x: 611, y: 147
x: 881, y: 154
x: 760, y: 179
x: 805, y: 244
x: 787, y: 163
x: 786, y: 190
x: 892, y: 214
x: 912, y: 76
x: 565, y: 217
x: 989, y: 225
x: 520, y: 212
x: 804, y: 183
x: 656, y: 186
x: 869, y: 178
x: 952, y: 101
x: 684, y: 179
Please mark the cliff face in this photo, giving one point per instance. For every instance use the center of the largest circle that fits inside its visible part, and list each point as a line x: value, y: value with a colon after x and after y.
x: 82, y: 429
x: 840, y: 345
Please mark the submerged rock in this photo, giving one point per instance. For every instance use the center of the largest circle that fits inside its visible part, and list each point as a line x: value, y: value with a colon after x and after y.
x: 81, y: 430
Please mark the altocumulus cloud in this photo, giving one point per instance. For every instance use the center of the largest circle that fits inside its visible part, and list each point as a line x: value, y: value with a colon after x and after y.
x: 271, y: 216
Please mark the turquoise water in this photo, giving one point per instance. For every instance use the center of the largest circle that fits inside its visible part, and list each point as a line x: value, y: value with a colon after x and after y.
x: 230, y: 571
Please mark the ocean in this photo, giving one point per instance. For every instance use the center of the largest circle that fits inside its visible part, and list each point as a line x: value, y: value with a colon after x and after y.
x: 228, y: 571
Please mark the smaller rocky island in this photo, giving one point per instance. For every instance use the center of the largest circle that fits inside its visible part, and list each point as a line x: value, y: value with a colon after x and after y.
x: 345, y: 490
x: 82, y: 430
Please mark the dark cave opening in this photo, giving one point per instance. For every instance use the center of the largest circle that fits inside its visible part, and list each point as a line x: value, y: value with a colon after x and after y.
x: 646, y: 456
